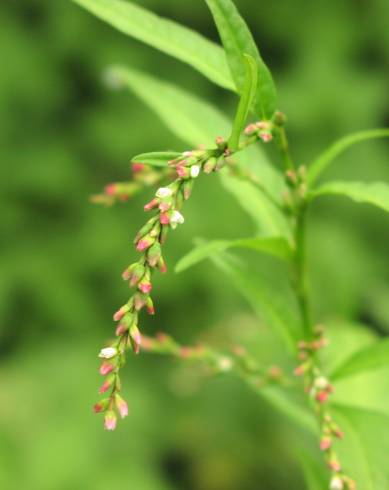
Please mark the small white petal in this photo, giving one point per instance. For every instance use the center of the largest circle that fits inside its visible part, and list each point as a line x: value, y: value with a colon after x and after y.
x: 336, y: 483
x: 225, y: 364
x: 177, y: 218
x: 321, y: 382
x: 164, y: 192
x: 108, y: 352
x: 194, y: 171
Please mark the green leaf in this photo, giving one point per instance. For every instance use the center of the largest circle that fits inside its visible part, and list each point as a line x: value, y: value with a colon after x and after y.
x: 326, y: 158
x: 245, y: 102
x: 238, y: 40
x: 272, y: 309
x: 195, y: 122
x: 156, y: 158
x: 365, y: 448
x: 376, y: 193
x: 165, y: 35
x: 277, y: 247
x: 372, y: 357
x: 315, y: 473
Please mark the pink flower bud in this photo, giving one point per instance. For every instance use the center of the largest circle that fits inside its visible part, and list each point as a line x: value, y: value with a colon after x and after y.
x: 145, y: 287
x: 137, y: 167
x: 136, y: 338
x: 139, y: 301
x: 321, y: 396
x: 334, y: 465
x: 182, y: 172
x: 105, y: 386
x: 162, y: 265
x: 151, y: 205
x: 266, y: 137
x: 251, y: 128
x: 137, y: 274
x: 106, y: 368
x: 110, y: 189
x: 300, y: 370
x: 150, y: 306
x: 144, y: 243
x: 121, y: 406
x: 164, y: 206
x: 99, y: 407
x: 164, y: 219
x: 110, y: 420
x: 120, y: 313
x: 325, y: 443
x: 121, y: 329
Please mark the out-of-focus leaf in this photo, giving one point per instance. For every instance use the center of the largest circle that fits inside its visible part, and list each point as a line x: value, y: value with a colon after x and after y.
x: 273, y: 310
x: 156, y: 158
x: 237, y: 40
x: 245, y: 102
x: 163, y: 34
x: 376, y: 193
x: 372, y: 357
x: 195, y: 121
x: 365, y: 448
x: 326, y: 158
x: 315, y: 473
x: 277, y: 247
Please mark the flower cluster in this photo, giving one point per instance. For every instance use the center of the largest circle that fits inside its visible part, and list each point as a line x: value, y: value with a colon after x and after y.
x: 319, y: 389
x: 143, y: 176
x: 167, y: 203
x: 261, y: 129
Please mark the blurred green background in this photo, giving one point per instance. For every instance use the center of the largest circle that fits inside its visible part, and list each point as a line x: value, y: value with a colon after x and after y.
x: 63, y: 137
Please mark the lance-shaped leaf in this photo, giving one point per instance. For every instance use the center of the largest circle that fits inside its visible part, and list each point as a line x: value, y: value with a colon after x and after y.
x: 365, y: 448
x: 376, y: 193
x: 276, y: 246
x: 238, y: 40
x: 156, y: 158
x: 245, y: 102
x: 369, y: 358
x: 326, y: 158
x: 167, y: 36
x: 266, y: 303
x: 196, y: 122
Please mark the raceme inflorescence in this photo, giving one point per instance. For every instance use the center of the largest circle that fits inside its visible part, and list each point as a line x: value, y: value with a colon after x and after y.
x: 284, y: 192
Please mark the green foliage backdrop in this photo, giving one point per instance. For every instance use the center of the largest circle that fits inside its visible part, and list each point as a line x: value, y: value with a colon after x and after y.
x: 63, y: 136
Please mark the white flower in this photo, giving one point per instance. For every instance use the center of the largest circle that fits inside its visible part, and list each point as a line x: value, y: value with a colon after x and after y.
x: 108, y: 352
x: 225, y: 364
x: 194, y: 171
x: 176, y: 219
x: 321, y: 382
x: 336, y: 483
x: 164, y: 192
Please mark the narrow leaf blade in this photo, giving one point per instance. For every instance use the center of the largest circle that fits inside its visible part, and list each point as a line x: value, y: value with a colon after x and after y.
x: 326, y: 158
x: 245, y: 102
x: 276, y: 246
x: 156, y: 158
x: 376, y: 193
x: 237, y: 40
x: 372, y: 357
x: 195, y: 122
x: 165, y: 35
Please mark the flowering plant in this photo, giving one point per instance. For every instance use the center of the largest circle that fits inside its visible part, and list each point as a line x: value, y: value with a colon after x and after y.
x: 278, y: 199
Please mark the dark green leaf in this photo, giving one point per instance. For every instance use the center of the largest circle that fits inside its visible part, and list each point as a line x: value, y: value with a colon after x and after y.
x: 278, y: 247
x: 326, y: 158
x: 372, y: 357
x: 238, y: 40
x: 376, y: 193
x: 245, y: 102
x: 167, y: 36
x: 156, y: 158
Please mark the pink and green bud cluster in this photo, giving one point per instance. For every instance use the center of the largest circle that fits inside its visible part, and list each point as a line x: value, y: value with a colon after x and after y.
x: 261, y: 129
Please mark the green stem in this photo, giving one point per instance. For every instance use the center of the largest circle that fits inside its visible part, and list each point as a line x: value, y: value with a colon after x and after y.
x: 300, y: 271
x: 284, y: 148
